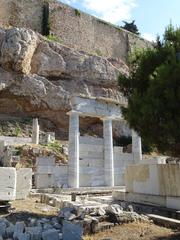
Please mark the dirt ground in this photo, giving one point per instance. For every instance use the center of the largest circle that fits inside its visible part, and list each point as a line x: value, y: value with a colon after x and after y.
x: 136, y: 231
x: 133, y: 231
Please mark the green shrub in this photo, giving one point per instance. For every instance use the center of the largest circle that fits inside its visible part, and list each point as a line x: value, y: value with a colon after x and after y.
x: 77, y: 12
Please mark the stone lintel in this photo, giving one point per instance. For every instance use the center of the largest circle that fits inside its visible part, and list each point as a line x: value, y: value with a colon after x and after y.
x: 94, y: 107
x: 83, y: 115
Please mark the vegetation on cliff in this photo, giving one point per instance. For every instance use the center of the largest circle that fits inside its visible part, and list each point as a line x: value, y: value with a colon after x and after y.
x: 153, y: 91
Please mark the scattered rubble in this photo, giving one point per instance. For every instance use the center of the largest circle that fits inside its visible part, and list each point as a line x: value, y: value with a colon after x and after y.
x: 71, y: 223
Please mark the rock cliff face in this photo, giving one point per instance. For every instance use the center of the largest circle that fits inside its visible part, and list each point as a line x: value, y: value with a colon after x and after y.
x: 38, y: 77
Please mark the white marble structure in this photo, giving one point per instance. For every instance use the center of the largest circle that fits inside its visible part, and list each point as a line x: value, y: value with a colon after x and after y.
x: 23, y: 183
x: 107, y: 110
x: 7, y: 184
x: 35, y: 131
x: 15, y: 184
x: 136, y: 147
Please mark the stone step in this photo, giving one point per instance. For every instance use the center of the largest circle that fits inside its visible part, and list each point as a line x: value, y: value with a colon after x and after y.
x: 104, y: 226
x: 164, y: 221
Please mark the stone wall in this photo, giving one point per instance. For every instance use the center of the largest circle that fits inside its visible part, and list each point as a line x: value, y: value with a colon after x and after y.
x: 22, y: 13
x: 73, y: 28
x: 48, y: 174
x: 121, y: 161
x: 84, y: 32
x: 5, y: 12
x: 91, y: 166
x: 154, y: 179
x: 91, y: 163
x: 15, y: 140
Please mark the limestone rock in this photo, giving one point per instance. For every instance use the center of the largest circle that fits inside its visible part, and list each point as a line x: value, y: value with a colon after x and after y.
x: 47, y: 62
x: 17, y: 49
x: 38, y: 77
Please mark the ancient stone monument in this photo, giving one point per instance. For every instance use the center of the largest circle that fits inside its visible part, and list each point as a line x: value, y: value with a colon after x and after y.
x: 92, y: 161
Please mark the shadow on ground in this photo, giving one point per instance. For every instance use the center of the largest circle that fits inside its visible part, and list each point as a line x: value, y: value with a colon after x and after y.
x: 175, y: 236
x: 25, y: 216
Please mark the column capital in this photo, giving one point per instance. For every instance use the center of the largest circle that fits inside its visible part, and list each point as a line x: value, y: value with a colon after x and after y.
x: 73, y: 112
x: 107, y: 118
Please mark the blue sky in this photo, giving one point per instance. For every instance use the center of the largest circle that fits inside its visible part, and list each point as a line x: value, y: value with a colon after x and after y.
x: 151, y: 16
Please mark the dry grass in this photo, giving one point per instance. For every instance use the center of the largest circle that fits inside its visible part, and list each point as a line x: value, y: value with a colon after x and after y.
x: 132, y: 231
x: 136, y: 231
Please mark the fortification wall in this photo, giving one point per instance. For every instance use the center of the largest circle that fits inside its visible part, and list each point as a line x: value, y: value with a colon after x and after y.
x: 72, y: 27
x: 84, y: 32
x: 22, y: 13
x: 5, y: 12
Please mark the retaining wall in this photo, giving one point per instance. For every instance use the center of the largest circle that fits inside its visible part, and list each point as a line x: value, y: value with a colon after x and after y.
x: 91, y: 166
x: 72, y: 27
x: 154, y: 179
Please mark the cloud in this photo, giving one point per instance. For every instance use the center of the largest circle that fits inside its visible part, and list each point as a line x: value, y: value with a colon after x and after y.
x: 70, y: 2
x: 149, y: 37
x: 110, y: 10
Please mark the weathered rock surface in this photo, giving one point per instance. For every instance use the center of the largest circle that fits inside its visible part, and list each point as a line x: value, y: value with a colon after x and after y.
x: 38, y: 77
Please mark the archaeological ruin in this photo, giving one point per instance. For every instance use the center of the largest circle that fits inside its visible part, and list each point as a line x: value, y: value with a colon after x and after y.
x: 59, y: 69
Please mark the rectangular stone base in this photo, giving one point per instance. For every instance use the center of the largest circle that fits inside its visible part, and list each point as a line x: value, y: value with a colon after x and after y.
x: 7, y: 184
x: 155, y: 200
x: 24, y: 183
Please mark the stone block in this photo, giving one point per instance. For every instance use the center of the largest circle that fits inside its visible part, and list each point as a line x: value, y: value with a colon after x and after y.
x: 123, y: 159
x: 24, y: 236
x: 2, y: 229
x: 18, y: 230
x: 154, y: 160
x: 140, y: 198
x: 91, y: 140
x: 24, y: 182
x: 2, y: 145
x: 72, y: 231
x: 15, y: 140
x: 173, y: 202
x: 95, y: 162
x: 10, y: 231
x: 44, y: 181
x: 91, y: 154
x: 96, y: 108
x: 154, y: 179
x: 34, y: 232
x: 89, y: 147
x: 50, y: 234
x: 118, y: 150
x: 45, y: 169
x: 45, y: 161
x: 7, y: 184
x: 166, y: 222
x: 119, y: 179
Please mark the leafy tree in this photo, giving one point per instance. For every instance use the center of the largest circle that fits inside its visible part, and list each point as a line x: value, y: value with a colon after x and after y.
x: 131, y: 27
x: 153, y: 93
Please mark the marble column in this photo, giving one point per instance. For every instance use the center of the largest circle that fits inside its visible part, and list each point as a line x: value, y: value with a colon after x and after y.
x: 108, y: 152
x: 73, y: 161
x: 136, y: 147
x: 35, y: 131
